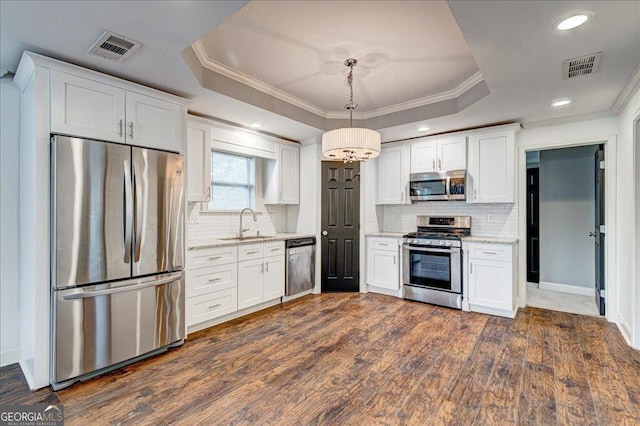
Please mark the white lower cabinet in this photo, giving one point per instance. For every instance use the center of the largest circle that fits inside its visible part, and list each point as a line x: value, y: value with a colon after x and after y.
x: 211, y: 284
x: 492, y: 278
x: 383, y: 265
x: 224, y: 280
x: 261, y: 277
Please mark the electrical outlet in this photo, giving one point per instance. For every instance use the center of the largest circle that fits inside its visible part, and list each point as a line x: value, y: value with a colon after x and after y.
x: 193, y: 219
x: 491, y: 218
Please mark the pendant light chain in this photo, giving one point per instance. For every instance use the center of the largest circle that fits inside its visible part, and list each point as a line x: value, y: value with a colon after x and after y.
x: 350, y: 106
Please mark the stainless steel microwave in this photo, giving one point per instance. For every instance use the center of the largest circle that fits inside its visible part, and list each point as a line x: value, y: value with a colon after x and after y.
x: 438, y: 186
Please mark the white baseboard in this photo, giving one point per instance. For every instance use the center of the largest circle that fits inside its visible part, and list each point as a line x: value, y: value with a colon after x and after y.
x: 385, y: 291
x: 566, y: 288
x: 493, y: 311
x: 625, y: 329
x: 296, y: 296
x: 9, y: 355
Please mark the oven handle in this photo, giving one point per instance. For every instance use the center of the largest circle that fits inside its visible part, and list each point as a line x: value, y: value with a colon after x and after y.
x: 431, y: 250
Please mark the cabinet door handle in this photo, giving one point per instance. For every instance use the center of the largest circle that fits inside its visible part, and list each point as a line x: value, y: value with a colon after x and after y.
x: 217, y: 305
x: 262, y: 268
x: 275, y: 248
x: 208, y: 194
x: 489, y: 252
x: 120, y: 127
x: 215, y: 257
x: 266, y: 269
x: 394, y: 259
x: 213, y: 280
x: 434, y: 163
x: 402, y: 195
x: 470, y: 267
x: 131, y: 130
x: 439, y: 164
x: 252, y: 252
x: 475, y: 194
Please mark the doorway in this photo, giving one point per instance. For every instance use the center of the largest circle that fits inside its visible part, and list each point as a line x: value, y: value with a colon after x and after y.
x: 565, y: 242
x: 340, y: 242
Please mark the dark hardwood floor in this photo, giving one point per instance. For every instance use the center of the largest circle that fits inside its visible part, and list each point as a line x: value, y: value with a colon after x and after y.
x: 369, y: 359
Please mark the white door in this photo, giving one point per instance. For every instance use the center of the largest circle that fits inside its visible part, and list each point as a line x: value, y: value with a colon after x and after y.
x: 393, y: 175
x: 273, y: 277
x: 250, y: 283
x: 452, y: 153
x: 289, y: 175
x: 152, y: 122
x: 383, y: 269
x: 490, y: 284
x: 199, y: 162
x: 86, y: 108
x: 424, y: 157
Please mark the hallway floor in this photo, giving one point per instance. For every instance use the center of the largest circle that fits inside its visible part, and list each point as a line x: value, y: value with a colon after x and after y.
x: 563, y: 302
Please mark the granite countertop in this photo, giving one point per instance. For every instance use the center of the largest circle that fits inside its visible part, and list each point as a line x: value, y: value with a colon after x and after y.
x: 385, y: 234
x: 494, y: 240
x: 216, y: 242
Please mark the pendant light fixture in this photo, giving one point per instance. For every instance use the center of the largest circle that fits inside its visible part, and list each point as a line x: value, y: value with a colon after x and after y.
x: 352, y: 143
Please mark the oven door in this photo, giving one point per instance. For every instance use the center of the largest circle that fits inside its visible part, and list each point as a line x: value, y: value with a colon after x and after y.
x: 431, y: 267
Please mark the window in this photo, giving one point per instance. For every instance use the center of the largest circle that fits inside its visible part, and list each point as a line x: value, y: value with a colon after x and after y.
x: 232, y: 181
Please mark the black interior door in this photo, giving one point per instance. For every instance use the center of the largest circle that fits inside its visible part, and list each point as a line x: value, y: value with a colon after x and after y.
x: 599, y: 222
x: 533, y: 225
x: 340, y: 226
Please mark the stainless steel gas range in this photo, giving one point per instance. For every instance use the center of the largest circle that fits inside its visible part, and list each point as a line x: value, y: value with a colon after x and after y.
x: 432, y: 265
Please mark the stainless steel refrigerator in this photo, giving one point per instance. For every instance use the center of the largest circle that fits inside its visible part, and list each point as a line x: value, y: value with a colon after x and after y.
x: 117, y: 255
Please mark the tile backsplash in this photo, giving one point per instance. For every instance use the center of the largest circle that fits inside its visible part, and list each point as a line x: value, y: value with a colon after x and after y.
x: 402, y: 218
x: 222, y: 224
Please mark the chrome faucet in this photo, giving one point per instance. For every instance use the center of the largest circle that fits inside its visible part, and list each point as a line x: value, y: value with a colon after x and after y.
x: 255, y: 218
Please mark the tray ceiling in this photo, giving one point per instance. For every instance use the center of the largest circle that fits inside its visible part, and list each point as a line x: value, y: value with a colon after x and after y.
x: 410, y: 53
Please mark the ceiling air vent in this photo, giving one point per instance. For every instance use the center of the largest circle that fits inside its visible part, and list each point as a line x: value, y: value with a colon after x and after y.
x: 581, y: 66
x: 114, y: 46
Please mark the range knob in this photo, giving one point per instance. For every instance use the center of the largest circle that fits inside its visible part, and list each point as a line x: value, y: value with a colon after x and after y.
x: 449, y: 243
x: 441, y: 243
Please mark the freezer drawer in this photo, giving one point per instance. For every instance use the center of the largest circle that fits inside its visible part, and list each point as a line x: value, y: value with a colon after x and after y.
x: 101, y: 325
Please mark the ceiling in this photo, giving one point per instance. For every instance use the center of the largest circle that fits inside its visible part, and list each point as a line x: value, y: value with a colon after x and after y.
x: 446, y: 65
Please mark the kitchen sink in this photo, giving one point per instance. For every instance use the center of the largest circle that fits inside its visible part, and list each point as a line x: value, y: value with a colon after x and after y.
x: 249, y: 237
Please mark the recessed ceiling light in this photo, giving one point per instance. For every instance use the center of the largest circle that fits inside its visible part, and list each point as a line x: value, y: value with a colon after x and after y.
x: 573, y: 21
x: 423, y: 128
x: 561, y: 102
x: 255, y: 125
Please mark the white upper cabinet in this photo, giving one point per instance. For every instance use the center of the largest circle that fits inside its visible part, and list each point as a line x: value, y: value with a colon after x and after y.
x: 282, y: 176
x: 92, y: 109
x: 393, y: 175
x: 199, y: 162
x: 452, y: 153
x: 424, y: 156
x: 82, y: 107
x: 492, y: 167
x: 152, y: 122
x: 439, y: 155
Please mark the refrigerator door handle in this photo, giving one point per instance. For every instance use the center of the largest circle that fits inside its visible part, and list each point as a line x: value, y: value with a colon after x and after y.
x: 138, y: 211
x: 128, y: 216
x: 122, y: 289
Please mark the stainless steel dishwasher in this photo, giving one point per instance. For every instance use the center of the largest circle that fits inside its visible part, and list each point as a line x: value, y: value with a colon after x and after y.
x: 301, y: 265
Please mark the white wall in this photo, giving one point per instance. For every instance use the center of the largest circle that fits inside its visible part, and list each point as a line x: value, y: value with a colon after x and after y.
x: 9, y: 236
x: 567, y: 203
x: 628, y: 246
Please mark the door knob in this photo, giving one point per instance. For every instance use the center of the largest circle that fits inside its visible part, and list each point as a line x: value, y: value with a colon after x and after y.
x: 593, y: 234
x: 325, y: 233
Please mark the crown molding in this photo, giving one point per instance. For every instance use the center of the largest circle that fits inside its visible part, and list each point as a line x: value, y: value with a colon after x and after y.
x: 629, y: 89
x: 247, y: 80
x: 558, y: 121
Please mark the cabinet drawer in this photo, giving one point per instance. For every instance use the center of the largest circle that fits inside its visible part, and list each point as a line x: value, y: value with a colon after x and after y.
x: 500, y: 252
x: 212, y: 305
x: 249, y: 252
x: 207, y: 280
x: 204, y: 258
x: 387, y: 244
x: 273, y: 249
